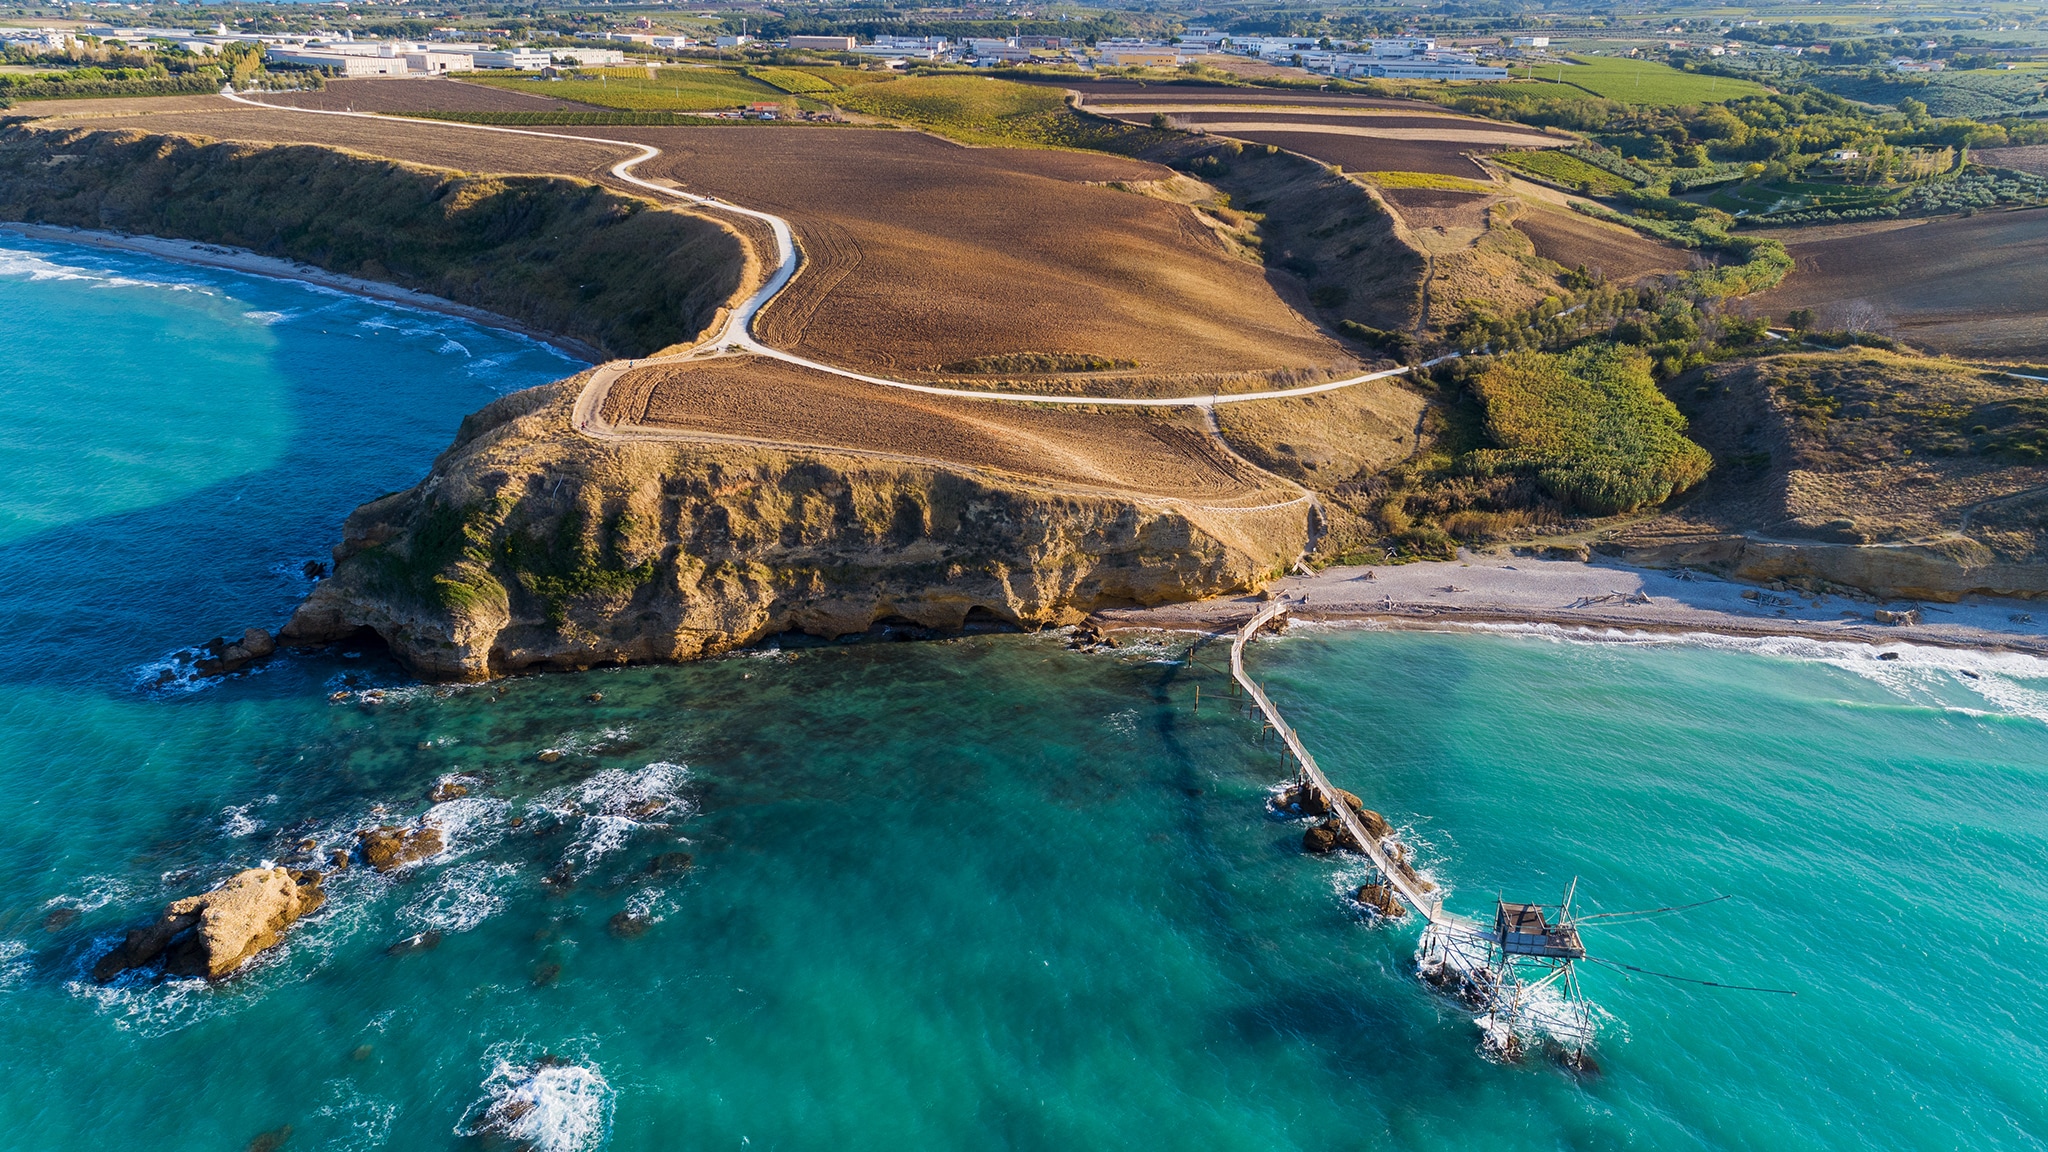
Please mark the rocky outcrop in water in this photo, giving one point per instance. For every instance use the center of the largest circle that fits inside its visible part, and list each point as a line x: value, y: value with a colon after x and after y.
x: 390, y: 847
x: 529, y: 545
x: 216, y: 932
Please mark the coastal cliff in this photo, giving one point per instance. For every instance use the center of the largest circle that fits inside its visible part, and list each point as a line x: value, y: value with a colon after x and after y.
x: 529, y: 546
x: 616, y: 274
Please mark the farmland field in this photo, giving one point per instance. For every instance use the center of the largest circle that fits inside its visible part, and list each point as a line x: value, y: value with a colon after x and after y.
x: 1973, y: 285
x: 1647, y: 82
x: 2029, y: 158
x: 921, y: 254
x: 918, y: 253
x: 983, y: 110
x: 1563, y: 168
x: 672, y: 89
x: 1575, y: 240
x: 444, y: 94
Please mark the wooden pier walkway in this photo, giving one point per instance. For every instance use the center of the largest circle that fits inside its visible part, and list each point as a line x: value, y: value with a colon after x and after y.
x: 1424, y: 903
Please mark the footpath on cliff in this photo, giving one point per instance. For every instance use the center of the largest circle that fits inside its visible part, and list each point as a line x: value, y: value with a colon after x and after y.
x: 1490, y: 590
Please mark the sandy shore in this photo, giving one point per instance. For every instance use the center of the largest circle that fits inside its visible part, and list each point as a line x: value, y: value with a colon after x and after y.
x: 254, y: 264
x: 1600, y: 597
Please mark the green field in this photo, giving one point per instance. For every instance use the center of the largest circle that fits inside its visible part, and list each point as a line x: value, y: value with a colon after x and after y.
x: 801, y: 83
x: 683, y: 89
x: 1563, y: 168
x: 1427, y: 180
x: 983, y: 110
x: 1788, y: 195
x: 1647, y: 82
x: 1628, y: 81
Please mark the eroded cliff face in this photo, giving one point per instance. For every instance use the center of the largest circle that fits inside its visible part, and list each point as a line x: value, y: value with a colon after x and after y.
x: 530, y: 545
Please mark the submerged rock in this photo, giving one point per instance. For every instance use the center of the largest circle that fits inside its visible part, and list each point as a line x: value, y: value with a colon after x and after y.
x: 420, y: 942
x: 216, y: 932
x: 669, y: 863
x: 1380, y: 898
x: 391, y: 847
x: 628, y: 926
x: 224, y: 656
x: 446, y: 790
x: 270, y: 1141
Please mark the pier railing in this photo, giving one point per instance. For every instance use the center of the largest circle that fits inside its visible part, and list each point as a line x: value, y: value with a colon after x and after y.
x: 1425, y: 904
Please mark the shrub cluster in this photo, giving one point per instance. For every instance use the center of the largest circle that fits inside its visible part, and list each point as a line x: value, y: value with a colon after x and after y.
x: 1589, y: 425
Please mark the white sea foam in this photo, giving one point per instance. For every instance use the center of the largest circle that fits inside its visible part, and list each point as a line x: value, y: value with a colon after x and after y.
x: 461, y: 897
x: 365, y: 1120
x: 545, y: 1104
x: 269, y: 318
x: 469, y: 822
x: 452, y: 345
x: 95, y: 893
x: 238, y: 821
x: 610, y: 806
x: 14, y: 963
x: 35, y: 266
x: 2008, y: 683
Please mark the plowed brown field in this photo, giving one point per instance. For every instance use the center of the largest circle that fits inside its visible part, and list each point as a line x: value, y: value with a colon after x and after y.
x: 1131, y: 92
x: 1370, y: 154
x: 918, y: 252
x: 921, y: 253
x: 2027, y: 158
x: 1617, y: 253
x: 757, y: 398
x: 1973, y: 285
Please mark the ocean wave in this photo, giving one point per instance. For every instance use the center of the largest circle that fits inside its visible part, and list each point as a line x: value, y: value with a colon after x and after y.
x: 452, y: 345
x: 546, y: 1103
x: 270, y: 318
x: 237, y: 821
x: 35, y: 266
x: 2011, y: 684
x: 469, y: 822
x: 461, y: 897
x: 612, y: 805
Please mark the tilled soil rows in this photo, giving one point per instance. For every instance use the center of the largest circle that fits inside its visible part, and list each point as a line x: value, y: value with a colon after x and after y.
x: 1974, y: 285
x: 1573, y: 240
x: 920, y: 253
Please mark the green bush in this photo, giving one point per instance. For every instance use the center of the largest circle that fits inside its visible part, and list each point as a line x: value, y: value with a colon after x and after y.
x: 1589, y: 425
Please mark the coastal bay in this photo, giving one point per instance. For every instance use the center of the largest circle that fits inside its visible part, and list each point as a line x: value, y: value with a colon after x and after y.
x: 1037, y: 892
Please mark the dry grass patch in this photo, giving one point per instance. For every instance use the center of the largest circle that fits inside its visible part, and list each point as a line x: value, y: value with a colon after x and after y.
x: 773, y: 402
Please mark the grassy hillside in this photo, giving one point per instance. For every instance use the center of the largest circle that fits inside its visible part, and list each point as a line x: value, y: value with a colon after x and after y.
x: 562, y: 255
x: 1868, y: 446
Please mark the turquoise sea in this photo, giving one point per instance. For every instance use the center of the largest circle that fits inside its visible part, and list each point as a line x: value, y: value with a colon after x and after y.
x: 983, y: 893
